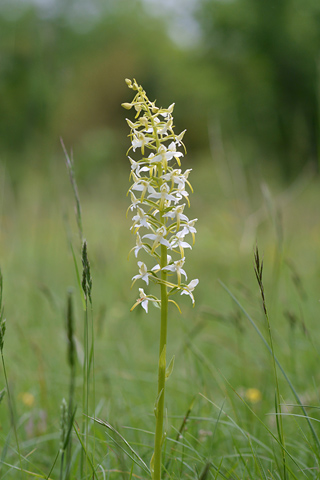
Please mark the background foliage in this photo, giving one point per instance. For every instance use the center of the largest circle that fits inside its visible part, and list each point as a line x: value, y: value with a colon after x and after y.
x: 249, y: 67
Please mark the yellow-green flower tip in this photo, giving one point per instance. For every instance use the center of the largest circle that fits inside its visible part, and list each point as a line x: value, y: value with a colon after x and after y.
x: 127, y: 106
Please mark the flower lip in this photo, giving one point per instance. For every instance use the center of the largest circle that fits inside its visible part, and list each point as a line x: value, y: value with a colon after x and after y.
x: 143, y: 299
x: 158, y: 238
x: 188, y: 289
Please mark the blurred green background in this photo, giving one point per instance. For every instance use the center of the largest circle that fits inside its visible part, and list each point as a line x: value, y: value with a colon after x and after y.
x: 248, y: 67
x: 244, y: 75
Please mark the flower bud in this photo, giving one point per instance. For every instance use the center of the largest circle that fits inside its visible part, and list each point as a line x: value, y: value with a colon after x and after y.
x: 127, y: 106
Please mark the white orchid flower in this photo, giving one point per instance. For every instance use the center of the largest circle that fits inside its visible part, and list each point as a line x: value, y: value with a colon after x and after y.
x: 137, y: 168
x: 179, y: 137
x: 180, y: 192
x: 144, y: 299
x: 134, y: 201
x: 140, y: 140
x: 177, y: 212
x: 188, y: 289
x: 140, y: 220
x: 165, y: 154
x: 142, y: 185
x: 178, y: 241
x: 139, y: 246
x: 158, y: 238
x: 189, y: 228
x: 167, y: 111
x: 176, y: 267
x: 143, y: 273
x: 164, y: 196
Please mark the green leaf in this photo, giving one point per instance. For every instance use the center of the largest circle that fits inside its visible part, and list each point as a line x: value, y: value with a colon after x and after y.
x: 157, y: 403
x: 169, y: 370
x: 162, y: 359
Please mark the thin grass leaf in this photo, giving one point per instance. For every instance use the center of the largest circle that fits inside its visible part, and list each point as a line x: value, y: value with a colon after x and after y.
x: 5, y: 450
x: 258, y: 268
x: 68, y: 432
x: 127, y: 454
x: 180, y: 431
x: 32, y: 474
x: 244, y: 462
x: 315, y: 436
x: 53, y: 465
x: 205, y: 472
x: 218, y: 471
x: 69, y: 164
x: 85, y: 452
x: 110, y: 427
x: 259, y: 419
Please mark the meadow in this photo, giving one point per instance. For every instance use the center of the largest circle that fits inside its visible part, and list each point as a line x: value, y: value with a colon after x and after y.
x: 231, y: 412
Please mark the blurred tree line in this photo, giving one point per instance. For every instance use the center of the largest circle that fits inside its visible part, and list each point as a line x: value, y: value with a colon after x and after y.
x: 254, y: 73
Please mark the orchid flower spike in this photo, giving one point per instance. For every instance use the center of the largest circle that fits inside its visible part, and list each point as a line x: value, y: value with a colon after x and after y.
x: 158, y: 197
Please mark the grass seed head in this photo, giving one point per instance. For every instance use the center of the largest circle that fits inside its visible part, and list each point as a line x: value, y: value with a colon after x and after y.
x: 86, y: 272
x: 63, y: 422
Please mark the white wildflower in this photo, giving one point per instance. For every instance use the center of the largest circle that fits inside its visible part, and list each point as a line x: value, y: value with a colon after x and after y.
x: 158, y: 238
x: 177, y: 212
x: 188, y: 289
x: 143, y: 273
x: 139, y: 245
x: 188, y: 227
x: 144, y: 299
x: 176, y: 267
x: 164, y: 196
x: 178, y: 241
x: 140, y: 220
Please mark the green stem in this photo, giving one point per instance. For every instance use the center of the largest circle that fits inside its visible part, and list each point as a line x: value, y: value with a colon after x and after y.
x: 159, y: 408
x: 85, y: 391
x: 12, y: 416
x: 70, y: 414
x: 161, y: 371
x: 61, y: 465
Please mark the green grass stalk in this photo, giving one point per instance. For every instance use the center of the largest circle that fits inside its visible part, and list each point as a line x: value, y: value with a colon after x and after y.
x: 85, y: 287
x: 10, y: 400
x: 63, y: 427
x: 70, y: 168
x: 72, y: 366
x: 85, y: 369
x: 258, y: 268
x: 88, y: 340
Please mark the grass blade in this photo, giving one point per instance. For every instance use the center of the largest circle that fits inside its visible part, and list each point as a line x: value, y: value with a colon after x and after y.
x: 315, y: 436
